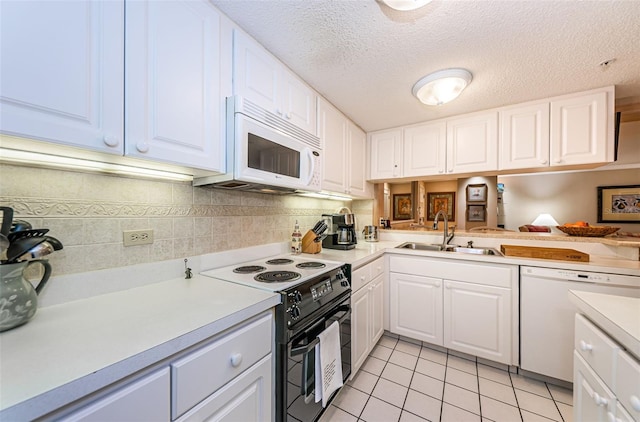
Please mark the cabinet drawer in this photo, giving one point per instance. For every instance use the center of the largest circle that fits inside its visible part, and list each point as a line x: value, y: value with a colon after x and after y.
x: 360, y: 278
x: 628, y: 384
x: 377, y: 268
x: 202, y: 372
x: 246, y: 398
x: 596, y: 348
x: 131, y: 402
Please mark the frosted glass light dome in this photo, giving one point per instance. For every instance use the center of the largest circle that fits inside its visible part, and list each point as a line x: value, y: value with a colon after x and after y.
x: 442, y: 86
x: 405, y: 5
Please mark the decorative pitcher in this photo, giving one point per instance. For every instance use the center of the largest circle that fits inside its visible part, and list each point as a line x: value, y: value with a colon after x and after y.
x: 18, y: 297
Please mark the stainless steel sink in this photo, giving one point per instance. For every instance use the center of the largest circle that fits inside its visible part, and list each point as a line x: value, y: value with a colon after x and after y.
x: 420, y: 246
x: 457, y: 249
x: 476, y: 251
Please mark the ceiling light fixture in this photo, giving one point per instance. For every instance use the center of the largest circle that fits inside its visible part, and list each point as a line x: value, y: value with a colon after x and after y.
x: 442, y: 86
x: 405, y: 5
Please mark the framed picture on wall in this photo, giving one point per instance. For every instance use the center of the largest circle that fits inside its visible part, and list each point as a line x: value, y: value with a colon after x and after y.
x: 402, y: 206
x: 476, y: 213
x: 619, y: 204
x: 445, y: 201
x: 477, y: 193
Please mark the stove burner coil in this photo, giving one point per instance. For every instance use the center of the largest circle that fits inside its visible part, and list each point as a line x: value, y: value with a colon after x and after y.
x: 277, y: 276
x: 248, y: 269
x: 311, y: 264
x: 279, y: 261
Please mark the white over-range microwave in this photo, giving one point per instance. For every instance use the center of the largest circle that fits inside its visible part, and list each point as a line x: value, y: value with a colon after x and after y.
x: 266, y: 153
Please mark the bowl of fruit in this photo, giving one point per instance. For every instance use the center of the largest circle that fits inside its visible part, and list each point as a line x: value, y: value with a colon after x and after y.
x: 582, y: 228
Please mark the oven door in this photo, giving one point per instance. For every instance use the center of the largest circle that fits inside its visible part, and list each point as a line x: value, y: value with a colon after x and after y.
x: 301, y: 358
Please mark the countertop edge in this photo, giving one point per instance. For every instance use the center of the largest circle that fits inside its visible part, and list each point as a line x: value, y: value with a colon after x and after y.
x: 586, y: 302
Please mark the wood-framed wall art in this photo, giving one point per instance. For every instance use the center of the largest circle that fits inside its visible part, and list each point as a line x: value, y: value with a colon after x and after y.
x: 477, y: 194
x: 476, y: 213
x: 619, y: 204
x: 402, y: 206
x: 445, y: 201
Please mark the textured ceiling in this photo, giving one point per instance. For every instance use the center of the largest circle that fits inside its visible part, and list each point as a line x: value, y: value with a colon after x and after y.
x: 364, y: 57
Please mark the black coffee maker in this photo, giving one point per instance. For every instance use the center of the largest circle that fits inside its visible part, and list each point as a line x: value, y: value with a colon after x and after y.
x: 341, y: 231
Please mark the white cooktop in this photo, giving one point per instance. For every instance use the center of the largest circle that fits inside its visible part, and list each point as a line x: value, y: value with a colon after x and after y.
x: 228, y: 274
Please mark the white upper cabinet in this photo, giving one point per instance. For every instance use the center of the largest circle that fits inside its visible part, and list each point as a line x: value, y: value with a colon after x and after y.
x: 332, y: 131
x: 582, y: 129
x: 173, y: 98
x: 425, y: 149
x: 386, y: 154
x: 555, y: 133
x: 524, y: 136
x: 62, y: 72
x: 465, y: 144
x: 571, y: 130
x: 472, y: 143
x: 65, y: 79
x: 261, y: 78
x: 357, y: 155
x: 344, y: 151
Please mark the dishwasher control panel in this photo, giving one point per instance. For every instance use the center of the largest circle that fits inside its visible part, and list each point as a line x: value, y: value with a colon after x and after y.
x: 585, y: 276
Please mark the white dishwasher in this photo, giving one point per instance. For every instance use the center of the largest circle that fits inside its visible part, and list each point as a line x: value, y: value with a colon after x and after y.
x: 547, y: 316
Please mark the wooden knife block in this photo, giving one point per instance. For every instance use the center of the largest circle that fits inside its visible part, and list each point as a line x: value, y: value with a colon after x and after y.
x: 308, y: 243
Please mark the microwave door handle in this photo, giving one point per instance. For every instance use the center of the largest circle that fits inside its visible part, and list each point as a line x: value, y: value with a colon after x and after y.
x: 307, y: 347
x: 312, y: 166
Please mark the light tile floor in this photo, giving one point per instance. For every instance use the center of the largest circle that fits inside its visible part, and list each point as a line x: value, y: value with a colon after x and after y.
x: 408, y: 382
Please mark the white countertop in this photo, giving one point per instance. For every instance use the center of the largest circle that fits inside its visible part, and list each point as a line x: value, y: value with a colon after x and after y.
x: 69, y: 350
x: 368, y: 251
x: 618, y: 316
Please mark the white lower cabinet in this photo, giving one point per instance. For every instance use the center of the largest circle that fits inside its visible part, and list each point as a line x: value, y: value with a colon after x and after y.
x: 491, y: 311
x: 203, y: 372
x: 227, y: 378
x: 145, y: 399
x: 606, y: 378
x: 246, y: 398
x: 464, y: 306
x: 367, y: 311
x: 592, y: 400
x: 416, y: 307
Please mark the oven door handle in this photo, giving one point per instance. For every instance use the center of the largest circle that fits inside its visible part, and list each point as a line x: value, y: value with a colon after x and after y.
x: 307, y: 347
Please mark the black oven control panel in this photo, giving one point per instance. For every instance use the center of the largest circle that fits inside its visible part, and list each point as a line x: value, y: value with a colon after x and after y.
x: 321, y: 289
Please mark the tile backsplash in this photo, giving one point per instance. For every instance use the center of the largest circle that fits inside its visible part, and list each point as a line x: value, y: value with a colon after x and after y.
x: 88, y: 212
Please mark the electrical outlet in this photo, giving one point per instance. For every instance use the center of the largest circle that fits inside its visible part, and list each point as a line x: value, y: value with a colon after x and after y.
x: 137, y: 237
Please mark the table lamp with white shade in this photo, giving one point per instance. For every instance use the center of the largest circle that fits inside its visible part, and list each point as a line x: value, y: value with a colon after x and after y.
x: 545, y: 219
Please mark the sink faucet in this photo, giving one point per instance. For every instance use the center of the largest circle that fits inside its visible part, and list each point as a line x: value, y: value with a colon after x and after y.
x: 446, y: 238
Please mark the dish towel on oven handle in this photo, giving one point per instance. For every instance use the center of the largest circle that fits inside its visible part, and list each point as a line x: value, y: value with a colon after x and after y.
x: 328, y: 363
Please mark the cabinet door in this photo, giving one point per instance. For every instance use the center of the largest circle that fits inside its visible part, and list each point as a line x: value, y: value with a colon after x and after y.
x: 477, y: 320
x: 332, y: 130
x: 579, y: 133
x: 377, y: 309
x: 386, y: 154
x: 246, y: 398
x: 255, y: 72
x: 62, y: 76
x: 472, y: 143
x: 360, y: 327
x: 146, y: 399
x: 357, y: 178
x: 415, y: 304
x: 425, y: 149
x: 592, y: 400
x: 524, y: 137
x: 297, y: 102
x: 173, y: 83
